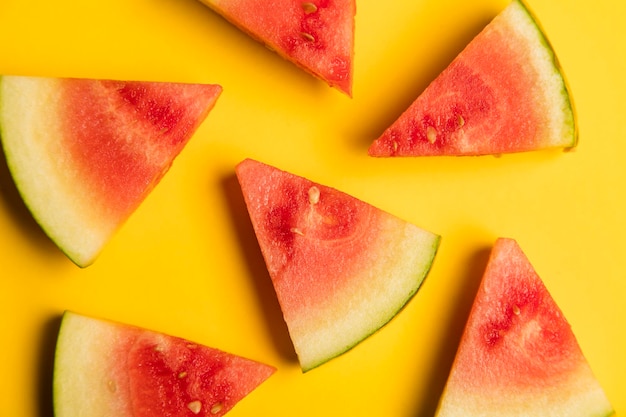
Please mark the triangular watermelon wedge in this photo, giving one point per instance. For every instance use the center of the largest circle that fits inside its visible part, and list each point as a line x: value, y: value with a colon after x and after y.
x: 503, y: 93
x: 518, y: 355
x: 85, y: 153
x: 316, y: 35
x: 340, y: 267
x: 105, y: 368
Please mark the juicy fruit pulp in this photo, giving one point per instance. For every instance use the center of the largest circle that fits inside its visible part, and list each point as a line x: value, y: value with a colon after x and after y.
x: 341, y: 268
x: 518, y: 355
x: 112, y: 369
x: 85, y: 153
x: 503, y: 93
x: 316, y: 35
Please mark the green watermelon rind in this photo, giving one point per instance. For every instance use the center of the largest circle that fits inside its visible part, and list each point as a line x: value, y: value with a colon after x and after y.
x: 365, y: 279
x: 419, y: 278
x: 101, y: 369
x: 39, y: 121
x: 20, y: 150
x: 66, y: 359
x: 518, y: 355
x: 566, y: 91
x: 551, y: 67
x: 528, y: 104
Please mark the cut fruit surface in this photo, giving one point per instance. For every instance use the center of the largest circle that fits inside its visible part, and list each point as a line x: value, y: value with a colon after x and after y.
x: 316, y: 35
x: 518, y: 355
x: 103, y: 368
x: 341, y: 268
x: 85, y: 153
x: 505, y: 92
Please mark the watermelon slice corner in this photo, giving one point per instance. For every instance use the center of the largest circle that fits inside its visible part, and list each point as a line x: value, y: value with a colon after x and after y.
x: 341, y: 268
x: 105, y: 368
x: 84, y: 153
x: 316, y: 35
x: 504, y: 93
x: 518, y: 355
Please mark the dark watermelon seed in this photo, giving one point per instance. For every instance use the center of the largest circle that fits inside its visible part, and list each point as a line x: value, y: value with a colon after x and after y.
x: 309, y: 7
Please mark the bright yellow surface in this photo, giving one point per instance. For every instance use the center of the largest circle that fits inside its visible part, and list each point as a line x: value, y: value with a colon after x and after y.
x: 187, y: 262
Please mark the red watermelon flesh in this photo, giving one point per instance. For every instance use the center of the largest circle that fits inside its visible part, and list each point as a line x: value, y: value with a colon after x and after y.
x: 104, y: 368
x: 503, y: 93
x: 316, y: 35
x: 85, y: 153
x: 518, y: 355
x: 341, y: 268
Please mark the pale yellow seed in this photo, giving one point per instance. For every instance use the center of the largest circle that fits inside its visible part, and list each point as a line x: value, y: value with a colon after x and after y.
x: 307, y: 36
x: 217, y: 407
x: 182, y: 375
x: 309, y: 7
x: 296, y: 231
x: 195, y: 406
x: 395, y: 145
x: 314, y: 195
x: 431, y: 134
x: 159, y: 348
x: 112, y: 386
x: 460, y: 121
x: 516, y: 310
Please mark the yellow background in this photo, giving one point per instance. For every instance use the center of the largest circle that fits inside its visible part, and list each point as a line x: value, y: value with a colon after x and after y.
x: 187, y: 262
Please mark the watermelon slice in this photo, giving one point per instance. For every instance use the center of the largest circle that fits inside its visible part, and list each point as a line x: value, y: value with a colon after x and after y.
x: 503, y: 93
x: 316, y: 35
x: 85, y: 153
x: 518, y: 355
x: 104, y: 368
x: 341, y: 268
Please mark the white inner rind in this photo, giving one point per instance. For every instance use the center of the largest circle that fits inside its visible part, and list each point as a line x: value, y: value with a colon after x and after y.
x: 579, y: 396
x: 83, y: 383
x: 400, y: 262
x: 551, y: 81
x: 42, y: 169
